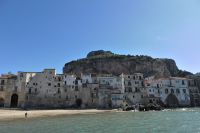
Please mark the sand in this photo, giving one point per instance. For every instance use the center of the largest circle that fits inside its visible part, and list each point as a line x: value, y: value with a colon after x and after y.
x: 6, y: 114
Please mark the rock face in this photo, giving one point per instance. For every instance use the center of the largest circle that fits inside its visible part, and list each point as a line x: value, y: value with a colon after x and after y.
x: 109, y: 63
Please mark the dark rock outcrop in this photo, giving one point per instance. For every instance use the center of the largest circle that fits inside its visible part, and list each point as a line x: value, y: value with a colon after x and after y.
x: 109, y: 63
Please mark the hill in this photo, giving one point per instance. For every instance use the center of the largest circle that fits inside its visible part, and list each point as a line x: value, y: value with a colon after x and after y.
x: 109, y: 63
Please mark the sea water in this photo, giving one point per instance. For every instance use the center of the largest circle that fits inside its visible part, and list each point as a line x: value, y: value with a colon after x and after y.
x: 167, y: 121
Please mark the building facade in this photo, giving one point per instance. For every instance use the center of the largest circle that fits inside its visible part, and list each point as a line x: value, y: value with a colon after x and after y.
x: 172, y: 92
x: 47, y: 89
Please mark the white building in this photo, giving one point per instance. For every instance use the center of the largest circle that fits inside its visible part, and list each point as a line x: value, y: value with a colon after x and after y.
x: 47, y: 89
x: 172, y: 91
x: 78, y: 94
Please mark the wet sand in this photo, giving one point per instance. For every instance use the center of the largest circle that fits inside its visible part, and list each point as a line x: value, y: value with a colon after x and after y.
x: 6, y: 114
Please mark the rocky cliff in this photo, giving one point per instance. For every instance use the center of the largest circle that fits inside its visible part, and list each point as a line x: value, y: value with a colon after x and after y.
x: 110, y: 63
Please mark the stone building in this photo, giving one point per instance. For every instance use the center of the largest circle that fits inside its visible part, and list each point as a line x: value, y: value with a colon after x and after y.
x: 10, y: 94
x: 81, y: 91
x: 194, y: 93
x: 173, y: 91
x: 111, y: 91
x: 134, y: 89
x: 42, y: 89
x: 47, y: 89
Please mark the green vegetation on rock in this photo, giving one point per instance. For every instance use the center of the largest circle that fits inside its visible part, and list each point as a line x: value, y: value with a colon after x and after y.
x: 109, y: 63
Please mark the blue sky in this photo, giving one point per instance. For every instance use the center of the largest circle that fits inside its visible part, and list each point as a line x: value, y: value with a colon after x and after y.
x: 38, y: 34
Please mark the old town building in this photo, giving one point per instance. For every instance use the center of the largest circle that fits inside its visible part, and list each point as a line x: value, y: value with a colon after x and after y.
x: 47, y: 89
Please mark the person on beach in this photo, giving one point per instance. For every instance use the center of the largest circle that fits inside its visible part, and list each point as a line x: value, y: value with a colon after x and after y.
x: 26, y: 115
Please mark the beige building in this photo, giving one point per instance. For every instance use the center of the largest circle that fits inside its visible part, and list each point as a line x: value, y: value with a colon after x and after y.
x: 134, y: 89
x: 110, y: 87
x: 42, y: 89
x: 10, y: 94
x: 47, y: 89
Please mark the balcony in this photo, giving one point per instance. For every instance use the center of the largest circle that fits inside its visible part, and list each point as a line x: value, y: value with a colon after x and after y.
x: 106, y: 86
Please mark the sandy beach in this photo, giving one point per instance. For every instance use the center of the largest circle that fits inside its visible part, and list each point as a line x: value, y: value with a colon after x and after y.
x: 6, y: 114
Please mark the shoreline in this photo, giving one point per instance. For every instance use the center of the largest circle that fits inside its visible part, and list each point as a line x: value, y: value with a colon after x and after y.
x: 7, y: 115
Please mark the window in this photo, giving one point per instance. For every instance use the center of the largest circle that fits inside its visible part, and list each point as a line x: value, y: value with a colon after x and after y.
x: 35, y: 90
x: 136, y: 89
x: 142, y: 83
x: 2, y: 82
x: 177, y: 91
x: 29, y: 91
x: 184, y: 90
x: 129, y: 89
x: 58, y: 91
x: 133, y: 96
x: 65, y: 82
x: 58, y: 84
x: 183, y: 82
x: 34, y: 83
x: 149, y: 90
x: 92, y: 95
x: 166, y: 91
x: 76, y: 88
x: 157, y: 85
x: 172, y: 91
x: 49, y: 84
x: 1, y: 89
x: 66, y: 98
x: 150, y: 101
x: 142, y: 96
x: 129, y: 83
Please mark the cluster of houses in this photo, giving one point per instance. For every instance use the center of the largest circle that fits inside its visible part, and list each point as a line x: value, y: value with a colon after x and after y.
x: 47, y: 89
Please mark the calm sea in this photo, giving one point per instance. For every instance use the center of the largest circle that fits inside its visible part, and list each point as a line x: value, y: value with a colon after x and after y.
x: 172, y: 121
